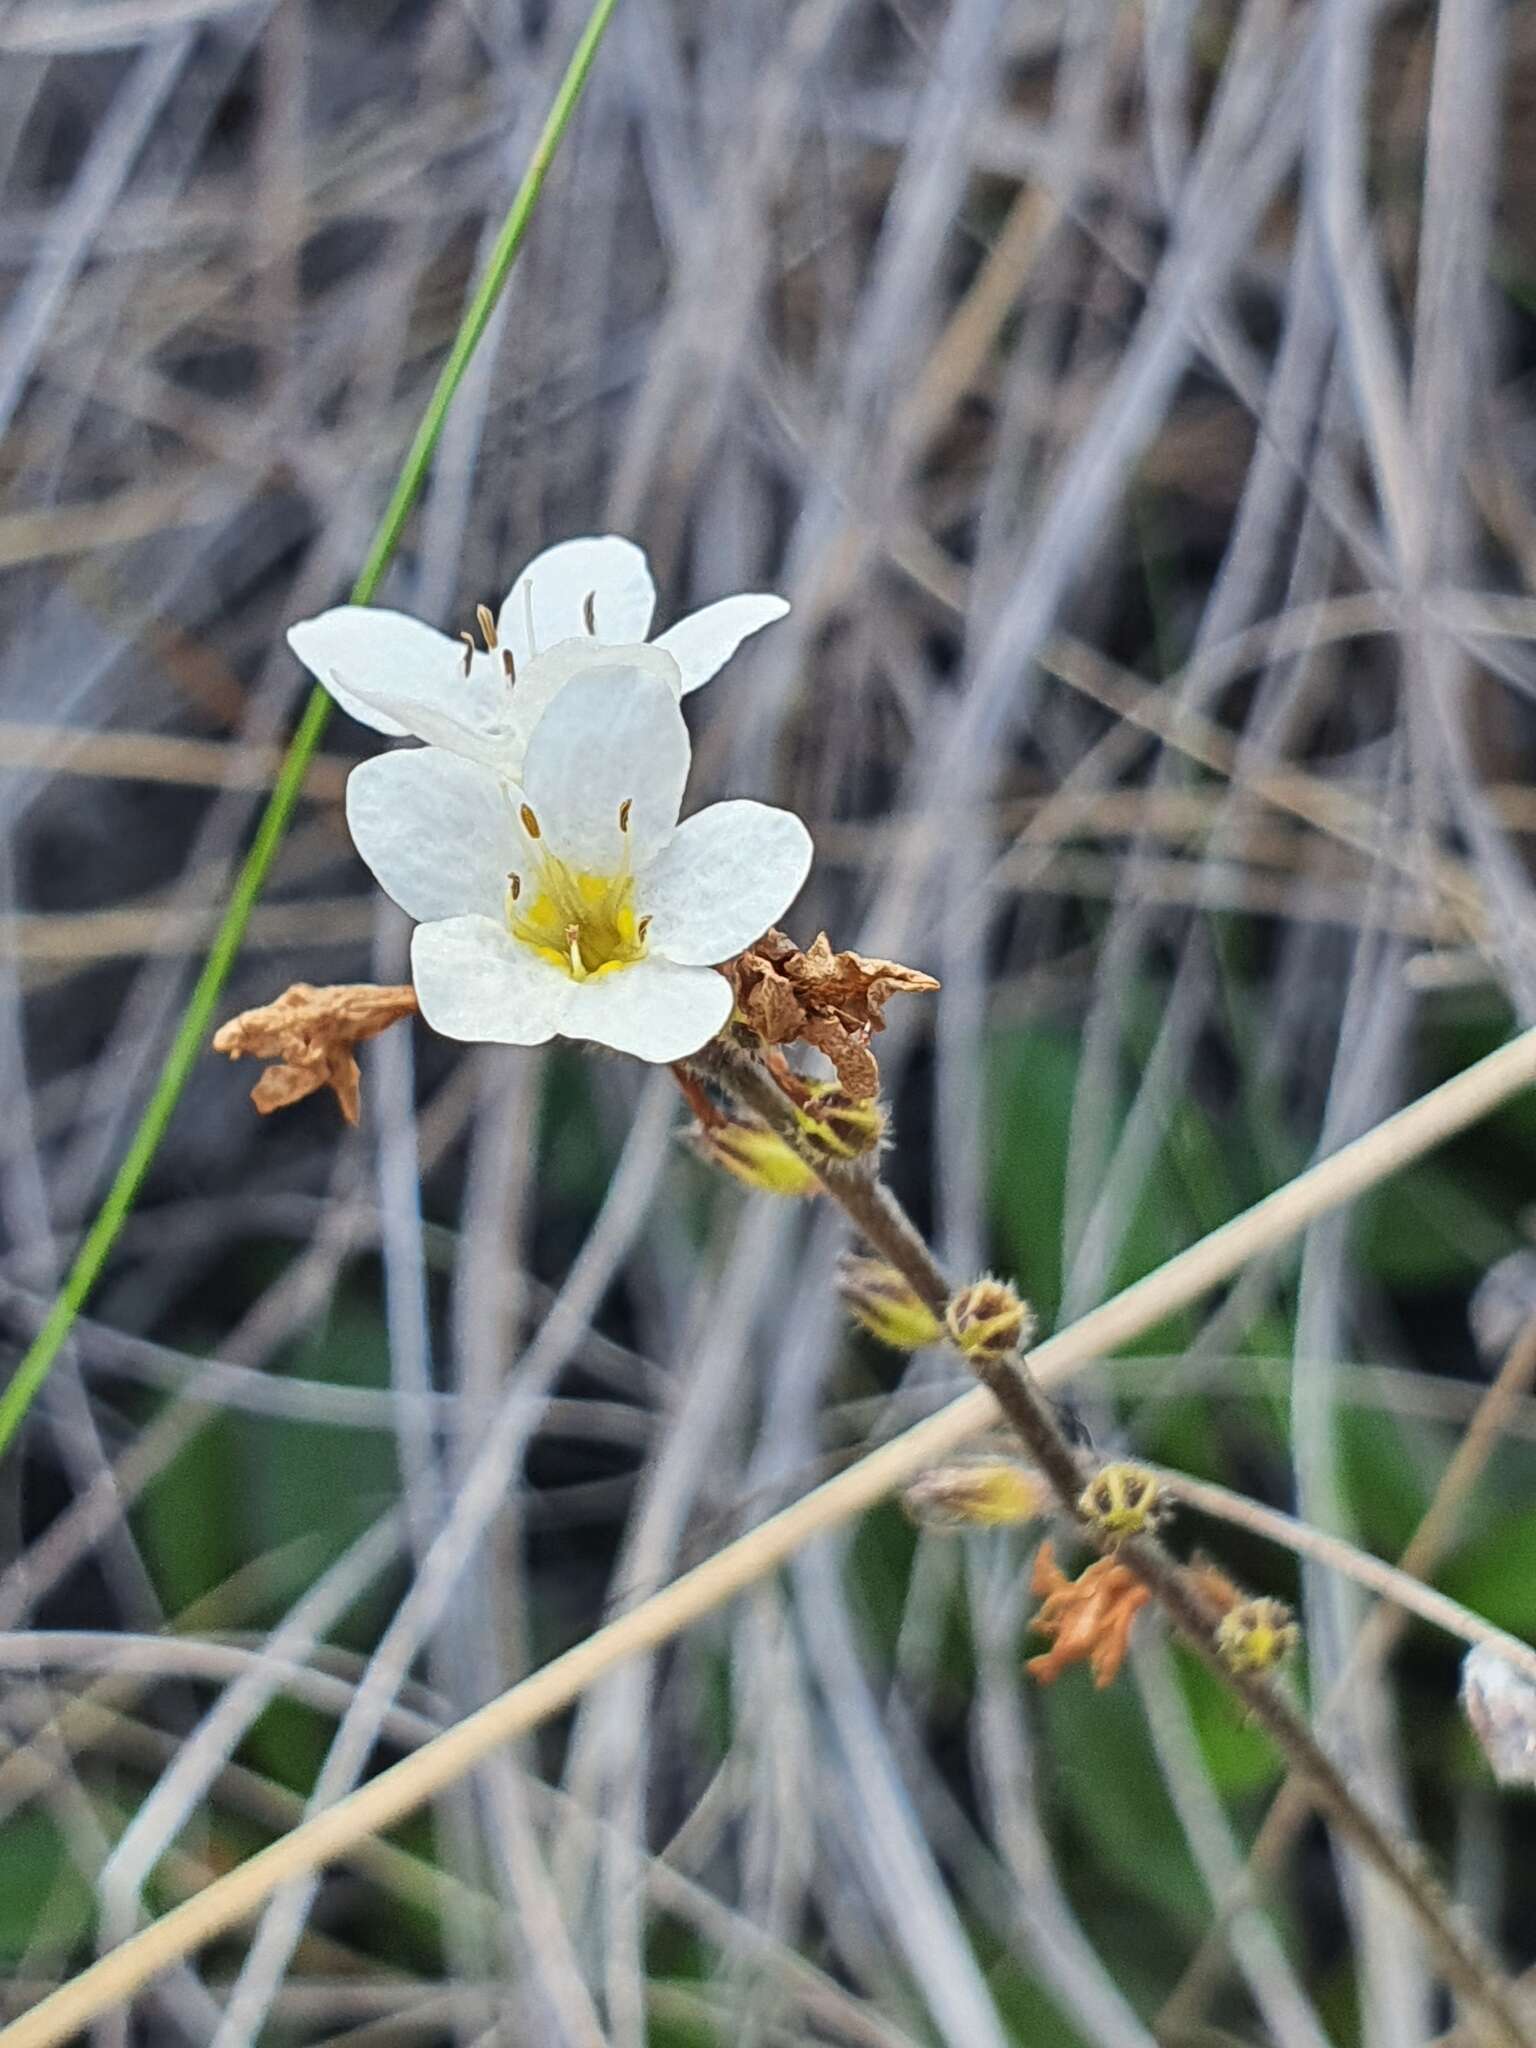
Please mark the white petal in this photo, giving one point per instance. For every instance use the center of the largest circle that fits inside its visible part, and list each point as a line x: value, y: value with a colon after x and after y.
x: 612, y: 572
x: 704, y: 642
x: 358, y: 648
x: 655, y: 1009
x: 438, y: 831
x: 729, y: 872
x: 613, y: 736
x: 475, y: 981
x: 542, y: 680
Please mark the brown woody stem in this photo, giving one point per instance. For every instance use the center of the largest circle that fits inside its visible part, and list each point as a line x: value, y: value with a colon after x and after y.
x: 1469, y: 1968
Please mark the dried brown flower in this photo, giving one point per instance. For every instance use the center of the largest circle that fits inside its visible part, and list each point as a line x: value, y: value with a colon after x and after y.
x: 310, y: 1033
x: 1088, y: 1618
x: 832, y: 1001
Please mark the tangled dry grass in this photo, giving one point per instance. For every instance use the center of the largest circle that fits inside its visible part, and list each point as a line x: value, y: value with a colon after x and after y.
x: 1134, y: 403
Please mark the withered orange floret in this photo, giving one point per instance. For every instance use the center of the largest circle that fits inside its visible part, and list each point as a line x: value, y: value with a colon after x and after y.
x: 310, y: 1033
x: 1089, y: 1617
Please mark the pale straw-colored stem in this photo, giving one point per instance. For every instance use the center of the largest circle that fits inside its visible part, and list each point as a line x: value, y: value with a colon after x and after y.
x: 408, y: 1785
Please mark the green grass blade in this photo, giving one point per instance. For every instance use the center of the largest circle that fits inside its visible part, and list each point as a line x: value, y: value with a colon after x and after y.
x: 191, y: 1036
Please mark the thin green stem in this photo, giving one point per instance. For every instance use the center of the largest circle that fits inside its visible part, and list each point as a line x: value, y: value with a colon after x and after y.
x: 191, y: 1035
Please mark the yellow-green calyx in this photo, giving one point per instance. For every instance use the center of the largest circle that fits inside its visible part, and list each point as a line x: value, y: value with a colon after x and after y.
x: 882, y: 1302
x: 833, y: 1125
x: 757, y: 1157
x: 989, y: 1319
x: 1256, y: 1635
x: 1122, y: 1500
x: 978, y: 1492
x: 584, y: 924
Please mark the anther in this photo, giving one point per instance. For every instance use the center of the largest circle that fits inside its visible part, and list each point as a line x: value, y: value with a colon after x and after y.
x: 515, y: 886
x: 589, y: 612
x: 641, y: 929
x: 487, y: 626
x: 508, y: 665
x: 624, y: 810
x: 469, y: 651
x: 530, y: 822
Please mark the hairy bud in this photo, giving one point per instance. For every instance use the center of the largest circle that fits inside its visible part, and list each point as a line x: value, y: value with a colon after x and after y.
x: 989, y: 1319
x: 889, y: 1307
x: 757, y: 1157
x: 835, y: 1126
x: 1256, y: 1635
x: 1122, y: 1500
x: 978, y: 1492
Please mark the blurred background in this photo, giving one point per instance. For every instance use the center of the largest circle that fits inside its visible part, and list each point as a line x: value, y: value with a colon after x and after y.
x: 1134, y: 402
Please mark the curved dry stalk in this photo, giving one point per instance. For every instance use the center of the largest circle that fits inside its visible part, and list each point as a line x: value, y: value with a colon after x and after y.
x: 405, y: 1786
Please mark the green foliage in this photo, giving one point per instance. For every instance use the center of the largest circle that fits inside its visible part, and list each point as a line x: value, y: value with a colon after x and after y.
x: 41, y: 1891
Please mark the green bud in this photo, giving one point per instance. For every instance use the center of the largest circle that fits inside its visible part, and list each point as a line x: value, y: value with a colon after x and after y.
x: 757, y: 1157
x: 888, y: 1306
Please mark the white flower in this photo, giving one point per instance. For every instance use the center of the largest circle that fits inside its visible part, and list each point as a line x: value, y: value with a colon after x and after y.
x: 576, y: 605
x: 572, y: 903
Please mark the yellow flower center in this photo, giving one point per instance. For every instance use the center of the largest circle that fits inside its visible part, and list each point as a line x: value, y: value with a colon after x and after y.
x: 583, y: 924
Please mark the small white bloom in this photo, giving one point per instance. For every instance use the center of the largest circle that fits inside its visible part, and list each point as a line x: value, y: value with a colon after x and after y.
x: 576, y: 606
x: 572, y: 903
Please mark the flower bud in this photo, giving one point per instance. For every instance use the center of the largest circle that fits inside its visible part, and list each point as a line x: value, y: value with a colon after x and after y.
x: 836, y: 1126
x: 888, y: 1306
x: 1122, y: 1500
x: 979, y: 1492
x: 1256, y: 1635
x: 758, y: 1158
x: 989, y: 1319
x: 1499, y: 1702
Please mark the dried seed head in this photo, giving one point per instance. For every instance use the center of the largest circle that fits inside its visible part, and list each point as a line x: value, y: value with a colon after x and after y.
x: 885, y: 1304
x: 757, y: 1157
x: 978, y: 1492
x: 836, y: 1126
x: 1122, y: 1500
x: 1256, y: 1635
x: 1500, y: 1705
x: 989, y: 1319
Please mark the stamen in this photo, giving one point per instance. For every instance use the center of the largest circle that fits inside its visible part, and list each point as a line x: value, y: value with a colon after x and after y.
x: 589, y: 612
x: 641, y: 929
x: 533, y: 645
x: 470, y: 651
x: 508, y: 665
x: 514, y: 886
x: 487, y: 626
x: 573, y: 942
x: 530, y: 822
x: 624, y: 810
